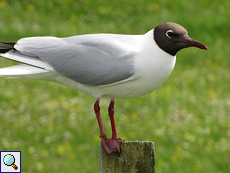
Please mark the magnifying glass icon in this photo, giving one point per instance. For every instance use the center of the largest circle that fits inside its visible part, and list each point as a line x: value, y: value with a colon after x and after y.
x: 9, y: 160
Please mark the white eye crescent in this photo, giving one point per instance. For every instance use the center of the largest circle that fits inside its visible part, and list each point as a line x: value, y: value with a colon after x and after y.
x: 169, y: 33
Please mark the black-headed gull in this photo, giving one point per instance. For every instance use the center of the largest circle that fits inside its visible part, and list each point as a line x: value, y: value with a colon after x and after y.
x: 101, y: 65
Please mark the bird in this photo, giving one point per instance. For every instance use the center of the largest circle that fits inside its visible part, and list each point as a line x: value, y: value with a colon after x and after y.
x: 111, y: 66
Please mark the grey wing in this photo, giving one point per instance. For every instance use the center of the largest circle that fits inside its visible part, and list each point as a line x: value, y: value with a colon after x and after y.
x: 88, y: 62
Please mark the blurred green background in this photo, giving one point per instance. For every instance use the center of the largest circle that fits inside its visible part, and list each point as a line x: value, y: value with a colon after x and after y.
x: 187, y: 117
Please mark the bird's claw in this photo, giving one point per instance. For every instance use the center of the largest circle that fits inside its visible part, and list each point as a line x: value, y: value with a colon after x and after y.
x: 111, y: 145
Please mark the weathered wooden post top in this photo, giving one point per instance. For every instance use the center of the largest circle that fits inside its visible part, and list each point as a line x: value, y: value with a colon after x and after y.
x: 135, y: 157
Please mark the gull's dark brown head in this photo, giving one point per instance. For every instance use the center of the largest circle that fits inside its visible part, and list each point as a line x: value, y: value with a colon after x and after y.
x: 172, y: 37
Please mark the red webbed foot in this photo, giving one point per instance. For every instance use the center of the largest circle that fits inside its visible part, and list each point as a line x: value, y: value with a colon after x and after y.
x: 111, y: 145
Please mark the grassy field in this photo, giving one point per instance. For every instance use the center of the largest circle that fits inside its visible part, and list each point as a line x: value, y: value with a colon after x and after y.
x: 188, y: 117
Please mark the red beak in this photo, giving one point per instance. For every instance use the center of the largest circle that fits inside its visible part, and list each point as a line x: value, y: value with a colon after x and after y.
x: 194, y: 43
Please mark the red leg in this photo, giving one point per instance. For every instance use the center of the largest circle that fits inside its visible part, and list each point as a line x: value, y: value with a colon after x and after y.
x: 97, y: 112
x: 112, y: 121
x: 111, y: 115
x: 110, y: 145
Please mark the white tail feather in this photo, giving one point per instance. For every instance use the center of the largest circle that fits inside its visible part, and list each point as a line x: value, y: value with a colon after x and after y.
x: 16, y: 56
x: 20, y: 70
x: 24, y: 71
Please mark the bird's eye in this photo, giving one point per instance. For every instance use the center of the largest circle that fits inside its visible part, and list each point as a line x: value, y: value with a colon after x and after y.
x: 169, y: 33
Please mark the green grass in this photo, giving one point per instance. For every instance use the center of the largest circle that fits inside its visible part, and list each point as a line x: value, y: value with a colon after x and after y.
x: 188, y: 117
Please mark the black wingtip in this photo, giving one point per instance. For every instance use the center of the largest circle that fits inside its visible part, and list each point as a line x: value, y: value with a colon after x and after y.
x: 6, y: 46
x: 4, y: 50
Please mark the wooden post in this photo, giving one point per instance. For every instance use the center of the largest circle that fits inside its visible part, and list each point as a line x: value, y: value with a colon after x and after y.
x: 134, y: 157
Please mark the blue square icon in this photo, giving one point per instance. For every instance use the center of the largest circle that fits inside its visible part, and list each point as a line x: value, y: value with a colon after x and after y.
x: 10, y: 161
